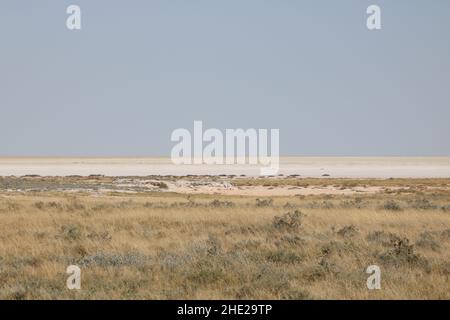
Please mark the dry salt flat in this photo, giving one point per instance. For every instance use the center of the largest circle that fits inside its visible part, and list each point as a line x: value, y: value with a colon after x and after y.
x: 337, y: 167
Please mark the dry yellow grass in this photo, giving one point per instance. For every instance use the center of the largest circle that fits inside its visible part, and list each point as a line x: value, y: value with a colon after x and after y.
x: 169, y: 246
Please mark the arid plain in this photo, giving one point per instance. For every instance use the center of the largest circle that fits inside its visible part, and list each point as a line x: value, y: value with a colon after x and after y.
x: 225, y: 236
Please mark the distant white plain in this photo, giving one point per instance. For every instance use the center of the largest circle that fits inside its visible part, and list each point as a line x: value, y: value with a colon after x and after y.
x: 335, y: 167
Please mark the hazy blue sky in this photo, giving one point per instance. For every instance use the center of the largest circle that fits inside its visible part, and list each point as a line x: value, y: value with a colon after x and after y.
x: 139, y: 69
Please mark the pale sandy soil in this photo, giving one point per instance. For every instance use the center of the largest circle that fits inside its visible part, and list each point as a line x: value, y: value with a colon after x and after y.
x: 337, y: 167
x: 273, y: 191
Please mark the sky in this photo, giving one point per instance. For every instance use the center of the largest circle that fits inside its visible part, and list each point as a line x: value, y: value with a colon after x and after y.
x: 137, y: 70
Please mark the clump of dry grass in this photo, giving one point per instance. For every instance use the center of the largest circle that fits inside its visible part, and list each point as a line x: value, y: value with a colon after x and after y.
x: 348, y: 231
x: 402, y: 254
x: 391, y: 205
x: 428, y: 241
x: 290, y: 220
x: 264, y: 202
x: 382, y: 237
x: 221, y: 204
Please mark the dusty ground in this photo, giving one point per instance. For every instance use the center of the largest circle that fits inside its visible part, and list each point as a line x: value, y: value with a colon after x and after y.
x: 141, y: 237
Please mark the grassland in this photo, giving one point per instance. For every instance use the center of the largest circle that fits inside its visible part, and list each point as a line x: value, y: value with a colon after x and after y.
x: 163, y: 245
